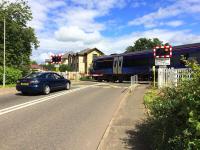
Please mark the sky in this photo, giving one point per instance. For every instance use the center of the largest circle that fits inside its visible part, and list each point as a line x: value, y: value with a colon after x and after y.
x: 111, y: 25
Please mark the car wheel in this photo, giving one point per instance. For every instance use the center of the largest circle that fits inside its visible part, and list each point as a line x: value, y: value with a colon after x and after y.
x: 46, y: 90
x: 67, y: 86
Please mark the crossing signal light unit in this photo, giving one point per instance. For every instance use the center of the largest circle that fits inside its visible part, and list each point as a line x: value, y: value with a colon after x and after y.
x: 56, y: 59
x: 163, y: 51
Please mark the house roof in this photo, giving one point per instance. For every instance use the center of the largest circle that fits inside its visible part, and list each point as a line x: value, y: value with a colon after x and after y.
x: 47, y: 60
x: 67, y: 54
x: 36, y: 66
x: 89, y: 50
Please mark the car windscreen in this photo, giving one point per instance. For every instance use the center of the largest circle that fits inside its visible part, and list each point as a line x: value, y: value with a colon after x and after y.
x: 33, y: 75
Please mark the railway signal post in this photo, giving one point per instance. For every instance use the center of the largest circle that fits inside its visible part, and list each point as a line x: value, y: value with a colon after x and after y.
x: 162, y: 55
x: 56, y: 60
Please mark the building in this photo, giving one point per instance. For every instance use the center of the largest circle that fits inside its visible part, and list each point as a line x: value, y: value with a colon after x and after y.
x: 81, y: 62
x: 65, y: 57
x: 47, y: 61
x: 36, y: 67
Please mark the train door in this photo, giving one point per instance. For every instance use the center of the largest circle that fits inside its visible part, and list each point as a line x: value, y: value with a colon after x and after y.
x: 120, y: 63
x: 115, y: 65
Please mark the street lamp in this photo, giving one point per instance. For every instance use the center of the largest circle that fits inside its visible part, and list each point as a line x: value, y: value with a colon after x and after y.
x: 4, y: 54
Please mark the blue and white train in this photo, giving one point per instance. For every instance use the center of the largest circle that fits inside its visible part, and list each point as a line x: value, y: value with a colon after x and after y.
x: 122, y: 66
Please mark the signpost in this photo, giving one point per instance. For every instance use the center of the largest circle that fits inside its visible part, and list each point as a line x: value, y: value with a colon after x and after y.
x: 154, y: 76
x: 4, y: 55
x: 162, y: 55
x: 56, y: 59
x: 162, y: 61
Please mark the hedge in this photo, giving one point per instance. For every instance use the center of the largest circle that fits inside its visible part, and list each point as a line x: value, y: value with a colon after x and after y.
x: 174, y: 122
x: 12, y: 75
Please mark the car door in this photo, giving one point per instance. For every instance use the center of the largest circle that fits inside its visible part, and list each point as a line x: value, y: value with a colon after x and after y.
x: 60, y: 81
x: 51, y: 81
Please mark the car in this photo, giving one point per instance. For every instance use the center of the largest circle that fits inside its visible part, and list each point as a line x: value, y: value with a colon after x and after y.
x: 42, y: 82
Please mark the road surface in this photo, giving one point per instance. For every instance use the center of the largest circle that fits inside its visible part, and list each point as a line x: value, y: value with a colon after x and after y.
x: 65, y: 120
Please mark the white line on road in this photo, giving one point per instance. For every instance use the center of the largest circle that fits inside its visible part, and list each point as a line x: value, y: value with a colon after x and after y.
x: 23, y: 105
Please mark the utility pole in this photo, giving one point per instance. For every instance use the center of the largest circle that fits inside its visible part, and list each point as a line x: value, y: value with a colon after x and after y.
x: 4, y: 55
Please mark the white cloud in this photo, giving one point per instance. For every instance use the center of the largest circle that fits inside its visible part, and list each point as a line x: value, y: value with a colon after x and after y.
x: 40, y: 10
x: 102, y: 6
x: 74, y: 34
x: 178, y: 8
x: 82, y: 18
x: 138, y: 3
x: 76, y: 27
x: 115, y: 45
x: 175, y: 23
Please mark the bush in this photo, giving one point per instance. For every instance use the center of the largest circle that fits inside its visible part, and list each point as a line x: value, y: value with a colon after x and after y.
x: 64, y: 68
x: 12, y: 75
x: 175, y: 115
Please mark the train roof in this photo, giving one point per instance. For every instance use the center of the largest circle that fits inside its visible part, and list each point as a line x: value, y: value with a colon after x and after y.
x: 175, y: 48
x: 187, y: 46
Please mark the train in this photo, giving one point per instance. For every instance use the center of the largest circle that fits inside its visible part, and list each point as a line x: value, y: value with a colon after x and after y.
x: 120, y: 67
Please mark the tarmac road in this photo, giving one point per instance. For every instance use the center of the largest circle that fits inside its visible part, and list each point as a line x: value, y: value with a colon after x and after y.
x: 65, y: 120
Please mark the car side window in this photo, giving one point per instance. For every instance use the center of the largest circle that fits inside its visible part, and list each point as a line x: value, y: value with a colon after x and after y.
x: 50, y: 76
x: 57, y: 76
x: 44, y: 76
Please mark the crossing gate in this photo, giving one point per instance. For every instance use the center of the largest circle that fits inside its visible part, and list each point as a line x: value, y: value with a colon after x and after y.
x: 171, y: 77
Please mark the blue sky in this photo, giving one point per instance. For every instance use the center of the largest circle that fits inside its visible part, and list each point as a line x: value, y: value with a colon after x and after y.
x: 111, y: 25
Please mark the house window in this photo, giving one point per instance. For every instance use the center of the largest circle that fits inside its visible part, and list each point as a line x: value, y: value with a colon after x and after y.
x: 94, y: 56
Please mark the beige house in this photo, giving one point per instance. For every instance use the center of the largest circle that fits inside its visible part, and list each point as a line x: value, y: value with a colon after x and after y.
x: 81, y: 62
x: 65, y: 57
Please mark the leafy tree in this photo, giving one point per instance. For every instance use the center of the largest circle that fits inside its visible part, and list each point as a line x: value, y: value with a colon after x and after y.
x: 20, y: 39
x: 144, y: 44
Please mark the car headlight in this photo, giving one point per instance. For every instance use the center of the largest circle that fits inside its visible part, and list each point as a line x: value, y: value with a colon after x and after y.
x: 34, y: 82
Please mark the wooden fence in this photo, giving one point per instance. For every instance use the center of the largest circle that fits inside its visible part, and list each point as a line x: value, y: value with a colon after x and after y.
x: 72, y: 75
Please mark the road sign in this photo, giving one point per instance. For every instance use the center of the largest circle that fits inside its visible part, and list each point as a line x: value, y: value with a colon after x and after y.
x: 56, y: 59
x: 162, y: 61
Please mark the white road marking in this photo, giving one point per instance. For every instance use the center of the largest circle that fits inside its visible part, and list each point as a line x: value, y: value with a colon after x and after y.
x: 26, y: 104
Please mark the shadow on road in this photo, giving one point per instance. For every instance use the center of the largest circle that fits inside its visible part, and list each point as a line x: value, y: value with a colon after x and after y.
x: 38, y: 94
x: 27, y: 94
x: 138, y: 137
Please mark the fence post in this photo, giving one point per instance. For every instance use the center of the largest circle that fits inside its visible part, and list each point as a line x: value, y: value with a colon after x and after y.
x: 134, y: 80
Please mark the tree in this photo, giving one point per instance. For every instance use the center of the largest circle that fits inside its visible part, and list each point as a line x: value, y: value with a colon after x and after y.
x: 20, y: 39
x: 144, y: 44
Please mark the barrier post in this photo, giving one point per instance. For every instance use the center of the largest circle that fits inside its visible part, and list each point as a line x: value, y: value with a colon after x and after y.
x: 154, y: 76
